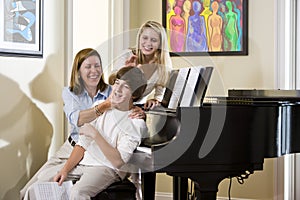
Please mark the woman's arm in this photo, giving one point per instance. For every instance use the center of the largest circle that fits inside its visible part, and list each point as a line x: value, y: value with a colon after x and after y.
x: 73, y: 108
x: 75, y: 157
x: 89, y: 115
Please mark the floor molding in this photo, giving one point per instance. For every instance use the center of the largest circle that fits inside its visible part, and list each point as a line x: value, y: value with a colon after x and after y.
x: 163, y: 196
x: 169, y: 196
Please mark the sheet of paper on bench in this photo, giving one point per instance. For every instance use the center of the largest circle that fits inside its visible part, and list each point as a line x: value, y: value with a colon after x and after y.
x: 145, y: 149
x: 52, y: 191
x: 178, y: 87
x: 191, y: 84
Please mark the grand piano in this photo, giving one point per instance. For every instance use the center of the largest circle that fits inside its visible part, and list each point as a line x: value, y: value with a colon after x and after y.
x: 226, y: 137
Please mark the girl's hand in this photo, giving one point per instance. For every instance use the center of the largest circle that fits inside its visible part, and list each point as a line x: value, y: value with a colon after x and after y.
x: 88, y: 130
x: 132, y: 61
x: 60, y: 177
x: 151, y: 104
x: 137, y: 113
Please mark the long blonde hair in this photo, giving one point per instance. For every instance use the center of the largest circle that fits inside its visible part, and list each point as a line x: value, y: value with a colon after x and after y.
x: 76, y: 84
x: 161, y: 56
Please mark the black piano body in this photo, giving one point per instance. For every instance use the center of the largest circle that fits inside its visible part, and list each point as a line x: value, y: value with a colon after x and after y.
x: 229, y: 137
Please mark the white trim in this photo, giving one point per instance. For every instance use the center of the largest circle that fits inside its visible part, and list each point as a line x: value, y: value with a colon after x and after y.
x: 68, y: 52
x: 285, y: 45
x: 280, y: 72
x: 290, y: 67
x: 289, y: 180
x: 120, y: 22
x: 297, y: 156
x: 297, y: 176
x: 290, y: 49
x: 279, y: 43
x: 69, y: 40
x: 285, y: 62
x: 298, y: 46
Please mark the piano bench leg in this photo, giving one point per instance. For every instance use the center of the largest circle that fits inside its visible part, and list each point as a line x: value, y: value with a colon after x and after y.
x: 122, y: 190
x: 180, y: 188
x: 148, y: 185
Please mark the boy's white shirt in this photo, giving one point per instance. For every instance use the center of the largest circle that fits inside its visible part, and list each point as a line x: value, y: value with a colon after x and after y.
x: 120, y: 128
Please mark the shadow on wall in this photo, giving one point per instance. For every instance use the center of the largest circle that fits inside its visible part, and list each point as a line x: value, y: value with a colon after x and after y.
x: 25, y: 136
x: 45, y: 87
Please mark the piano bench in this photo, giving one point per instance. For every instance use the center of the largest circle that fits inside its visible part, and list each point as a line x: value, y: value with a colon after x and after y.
x: 121, y: 190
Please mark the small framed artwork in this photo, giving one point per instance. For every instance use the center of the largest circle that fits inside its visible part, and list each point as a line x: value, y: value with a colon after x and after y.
x: 206, y: 27
x: 22, y: 32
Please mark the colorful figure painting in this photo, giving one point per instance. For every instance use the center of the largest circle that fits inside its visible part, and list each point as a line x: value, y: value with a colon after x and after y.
x: 217, y: 27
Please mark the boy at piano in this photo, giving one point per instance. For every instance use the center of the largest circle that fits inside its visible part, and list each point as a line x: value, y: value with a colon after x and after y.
x: 106, y: 144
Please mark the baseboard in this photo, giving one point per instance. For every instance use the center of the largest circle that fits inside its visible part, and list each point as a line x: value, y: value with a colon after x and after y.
x: 163, y: 196
x: 169, y: 196
x: 226, y: 198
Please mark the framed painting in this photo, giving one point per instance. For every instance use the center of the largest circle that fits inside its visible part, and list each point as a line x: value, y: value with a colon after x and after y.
x: 22, y: 32
x: 206, y: 27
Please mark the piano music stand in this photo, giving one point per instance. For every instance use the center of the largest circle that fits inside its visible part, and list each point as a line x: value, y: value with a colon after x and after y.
x: 194, y: 90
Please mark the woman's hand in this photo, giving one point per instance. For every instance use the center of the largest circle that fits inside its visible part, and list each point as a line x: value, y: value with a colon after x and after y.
x: 60, y: 177
x: 132, y: 61
x: 151, y: 104
x: 88, y: 130
x: 137, y: 113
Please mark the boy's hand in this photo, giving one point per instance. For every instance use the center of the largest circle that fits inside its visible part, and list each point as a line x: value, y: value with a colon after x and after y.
x: 88, y: 130
x: 60, y: 177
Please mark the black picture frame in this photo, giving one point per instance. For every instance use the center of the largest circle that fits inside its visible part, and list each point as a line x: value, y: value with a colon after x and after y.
x: 22, y: 33
x: 181, y: 44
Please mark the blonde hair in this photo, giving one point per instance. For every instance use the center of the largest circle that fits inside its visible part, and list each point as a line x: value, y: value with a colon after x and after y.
x: 76, y: 84
x: 161, y: 56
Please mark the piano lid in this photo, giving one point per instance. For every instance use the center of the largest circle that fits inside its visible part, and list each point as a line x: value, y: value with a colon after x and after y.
x: 253, y: 96
x: 264, y: 93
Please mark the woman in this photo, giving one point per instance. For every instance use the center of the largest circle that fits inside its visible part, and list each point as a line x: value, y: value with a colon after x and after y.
x: 105, y: 144
x: 87, y: 86
x: 152, y: 56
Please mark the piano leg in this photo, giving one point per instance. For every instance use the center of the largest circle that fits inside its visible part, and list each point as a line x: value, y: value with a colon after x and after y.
x: 148, y: 184
x: 206, y: 185
x: 203, y: 194
x: 180, y: 188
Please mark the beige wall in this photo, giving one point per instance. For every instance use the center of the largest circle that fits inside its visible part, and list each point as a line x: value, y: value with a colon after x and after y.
x: 31, y: 117
x: 253, y: 71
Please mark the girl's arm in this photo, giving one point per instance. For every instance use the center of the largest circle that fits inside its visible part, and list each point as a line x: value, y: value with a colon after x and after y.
x: 75, y: 157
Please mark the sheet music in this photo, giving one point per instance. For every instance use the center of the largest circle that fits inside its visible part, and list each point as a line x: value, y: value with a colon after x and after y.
x: 189, y: 92
x: 178, y: 87
x: 52, y: 191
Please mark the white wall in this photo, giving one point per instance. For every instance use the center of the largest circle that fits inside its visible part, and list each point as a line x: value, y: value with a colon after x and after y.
x: 91, y: 28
